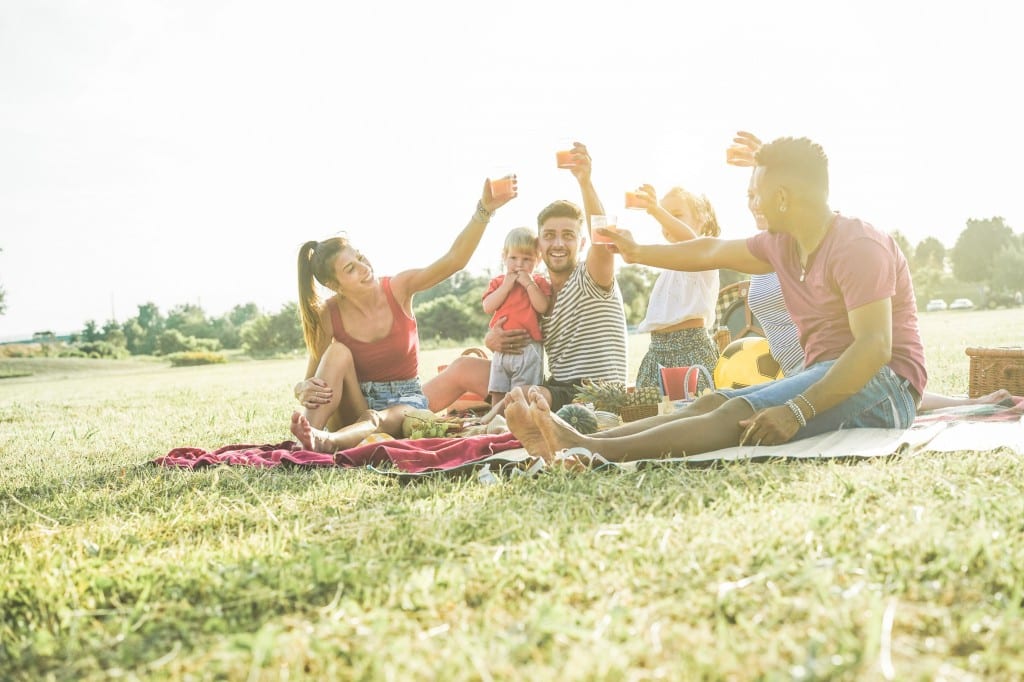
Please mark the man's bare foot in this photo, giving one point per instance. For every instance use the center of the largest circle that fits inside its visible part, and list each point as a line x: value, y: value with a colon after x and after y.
x: 311, y: 439
x: 517, y: 413
x: 556, y: 433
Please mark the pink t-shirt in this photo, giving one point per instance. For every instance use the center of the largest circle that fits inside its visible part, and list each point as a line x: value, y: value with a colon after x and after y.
x: 517, y: 306
x: 854, y: 265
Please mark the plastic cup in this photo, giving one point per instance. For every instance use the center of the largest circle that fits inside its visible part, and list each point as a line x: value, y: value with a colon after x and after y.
x: 565, y: 159
x: 633, y: 200
x: 606, y: 221
x: 502, y: 187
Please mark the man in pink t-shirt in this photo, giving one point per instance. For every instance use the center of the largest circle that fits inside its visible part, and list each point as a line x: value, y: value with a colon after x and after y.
x: 848, y: 289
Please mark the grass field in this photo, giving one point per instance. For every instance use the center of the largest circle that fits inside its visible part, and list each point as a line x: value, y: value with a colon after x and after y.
x: 909, y: 568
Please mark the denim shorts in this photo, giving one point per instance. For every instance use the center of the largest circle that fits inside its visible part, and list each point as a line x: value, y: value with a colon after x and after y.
x: 885, y: 402
x: 383, y: 394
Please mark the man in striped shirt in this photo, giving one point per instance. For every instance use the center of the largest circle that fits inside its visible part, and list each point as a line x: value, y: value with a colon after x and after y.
x: 585, y: 329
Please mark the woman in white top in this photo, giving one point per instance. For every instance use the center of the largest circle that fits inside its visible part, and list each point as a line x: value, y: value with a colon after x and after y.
x: 682, y: 304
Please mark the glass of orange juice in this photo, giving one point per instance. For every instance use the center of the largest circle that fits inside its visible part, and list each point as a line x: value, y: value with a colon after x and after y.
x: 606, y: 221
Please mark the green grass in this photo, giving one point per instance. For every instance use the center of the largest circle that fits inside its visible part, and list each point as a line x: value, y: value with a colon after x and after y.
x: 113, y: 568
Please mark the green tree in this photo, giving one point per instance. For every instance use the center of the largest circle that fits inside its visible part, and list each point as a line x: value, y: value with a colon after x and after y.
x: 635, y: 283
x: 930, y: 252
x: 114, y: 335
x: 142, y: 331
x: 1008, y: 269
x: 190, y: 320
x: 272, y: 334
x: 904, y: 244
x: 91, y: 331
x: 977, y: 246
x: 448, y: 317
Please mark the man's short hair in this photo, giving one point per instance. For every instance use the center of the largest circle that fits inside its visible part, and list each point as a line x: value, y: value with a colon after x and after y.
x: 560, y: 209
x: 795, y: 161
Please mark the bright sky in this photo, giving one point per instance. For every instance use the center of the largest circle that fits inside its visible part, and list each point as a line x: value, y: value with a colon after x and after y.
x: 175, y: 151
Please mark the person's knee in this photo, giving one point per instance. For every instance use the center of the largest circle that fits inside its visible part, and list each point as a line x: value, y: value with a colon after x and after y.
x: 710, y: 401
x: 337, y: 356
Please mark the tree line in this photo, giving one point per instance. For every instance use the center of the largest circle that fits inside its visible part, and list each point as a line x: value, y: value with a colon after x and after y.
x: 986, y: 264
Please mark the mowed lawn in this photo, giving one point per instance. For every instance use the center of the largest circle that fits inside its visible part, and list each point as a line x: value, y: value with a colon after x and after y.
x: 909, y: 568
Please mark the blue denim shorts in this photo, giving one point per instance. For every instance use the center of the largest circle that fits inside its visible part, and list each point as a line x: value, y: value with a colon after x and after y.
x: 383, y: 394
x: 885, y: 402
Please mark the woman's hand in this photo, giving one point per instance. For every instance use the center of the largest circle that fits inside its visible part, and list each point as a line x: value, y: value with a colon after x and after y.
x: 492, y: 203
x: 622, y: 243
x: 771, y: 426
x: 581, y: 162
x: 313, y: 392
x: 743, y: 150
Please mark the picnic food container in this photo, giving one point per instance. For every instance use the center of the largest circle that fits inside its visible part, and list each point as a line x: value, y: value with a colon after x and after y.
x: 995, y: 368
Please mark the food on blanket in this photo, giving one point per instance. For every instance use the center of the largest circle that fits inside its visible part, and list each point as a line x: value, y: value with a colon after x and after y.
x: 746, y: 362
x: 376, y: 438
x: 497, y: 425
x: 424, y: 424
x: 579, y: 417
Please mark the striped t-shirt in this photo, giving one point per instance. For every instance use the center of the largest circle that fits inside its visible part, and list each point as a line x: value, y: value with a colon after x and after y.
x: 764, y: 298
x: 585, y: 331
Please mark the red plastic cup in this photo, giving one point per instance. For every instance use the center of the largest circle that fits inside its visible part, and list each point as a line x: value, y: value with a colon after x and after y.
x: 673, y: 378
x: 565, y: 159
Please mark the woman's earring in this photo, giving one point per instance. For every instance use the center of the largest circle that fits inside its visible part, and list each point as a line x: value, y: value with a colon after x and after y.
x: 782, y: 208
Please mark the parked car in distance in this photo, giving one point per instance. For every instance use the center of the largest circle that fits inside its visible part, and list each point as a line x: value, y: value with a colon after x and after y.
x: 935, y: 304
x: 961, y: 304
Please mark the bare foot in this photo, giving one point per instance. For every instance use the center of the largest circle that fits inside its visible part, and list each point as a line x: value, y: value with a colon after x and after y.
x: 517, y: 413
x: 557, y: 434
x: 993, y: 398
x: 311, y: 439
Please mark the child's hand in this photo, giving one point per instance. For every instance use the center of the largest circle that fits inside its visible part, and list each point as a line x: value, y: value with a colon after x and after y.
x: 648, y: 196
x: 524, y: 278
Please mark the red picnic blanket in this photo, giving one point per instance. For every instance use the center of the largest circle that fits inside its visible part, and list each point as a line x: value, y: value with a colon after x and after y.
x: 410, y: 456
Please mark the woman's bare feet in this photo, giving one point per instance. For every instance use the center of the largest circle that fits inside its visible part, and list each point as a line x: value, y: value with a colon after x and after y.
x: 556, y: 433
x: 520, y: 422
x: 311, y: 439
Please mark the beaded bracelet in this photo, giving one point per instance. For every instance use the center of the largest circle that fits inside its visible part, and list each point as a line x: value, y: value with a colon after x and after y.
x: 814, y: 412
x: 482, y: 214
x: 795, y: 409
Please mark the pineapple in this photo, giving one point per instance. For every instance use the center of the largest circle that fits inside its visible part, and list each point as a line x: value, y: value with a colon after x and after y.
x: 607, y: 396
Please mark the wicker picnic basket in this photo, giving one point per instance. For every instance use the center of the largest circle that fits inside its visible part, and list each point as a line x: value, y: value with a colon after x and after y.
x: 995, y: 368
x: 630, y: 413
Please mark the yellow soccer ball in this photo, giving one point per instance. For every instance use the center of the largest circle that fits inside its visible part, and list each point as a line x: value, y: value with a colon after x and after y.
x: 746, y: 362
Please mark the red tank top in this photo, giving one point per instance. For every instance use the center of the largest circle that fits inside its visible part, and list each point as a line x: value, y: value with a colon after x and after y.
x: 393, y: 358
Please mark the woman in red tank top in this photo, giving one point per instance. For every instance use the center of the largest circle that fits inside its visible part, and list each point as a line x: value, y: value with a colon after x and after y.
x: 362, y: 341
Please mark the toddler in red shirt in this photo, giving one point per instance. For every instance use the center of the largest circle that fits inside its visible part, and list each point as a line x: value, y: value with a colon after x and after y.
x: 518, y: 296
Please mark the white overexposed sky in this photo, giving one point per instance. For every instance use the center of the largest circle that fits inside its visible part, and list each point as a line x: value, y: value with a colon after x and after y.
x: 180, y: 151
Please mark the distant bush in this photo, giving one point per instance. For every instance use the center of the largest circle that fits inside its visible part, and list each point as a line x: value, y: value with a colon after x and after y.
x: 193, y: 358
x: 96, y: 350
